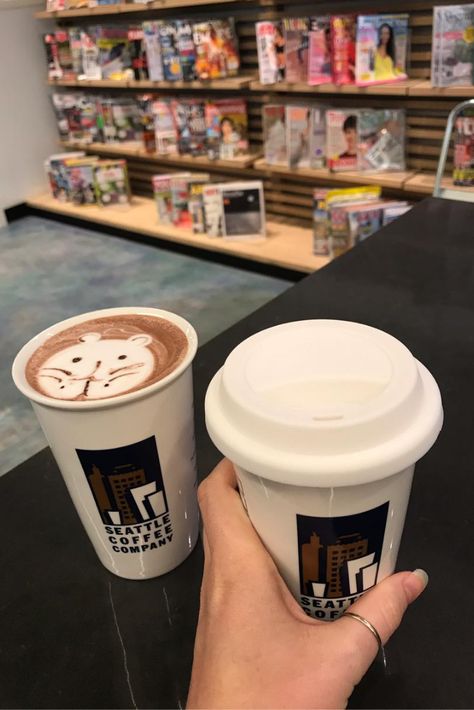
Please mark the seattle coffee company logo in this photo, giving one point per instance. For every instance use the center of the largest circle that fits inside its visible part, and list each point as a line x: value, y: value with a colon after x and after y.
x: 339, y: 559
x: 128, y: 489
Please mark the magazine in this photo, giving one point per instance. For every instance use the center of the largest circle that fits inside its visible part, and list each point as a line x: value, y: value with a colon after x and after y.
x: 343, y: 43
x: 392, y: 213
x: 146, y: 121
x: 317, y: 143
x: 64, y: 104
x: 274, y: 134
x: 115, y: 57
x: 296, y: 48
x: 80, y: 179
x: 165, y: 130
x: 180, y: 194
x: 187, y: 52
x: 381, y: 50
x: 243, y: 210
x: 367, y: 218
x: 126, y: 119
x: 55, y: 167
x: 151, y: 36
x: 162, y: 192
x: 196, y: 207
x: 52, y: 56
x: 136, y: 38
x: 213, y: 210
x: 463, y: 172
x: 190, y: 122
x: 453, y: 47
x: 342, y: 139
x: 217, y: 54
x: 169, y: 51
x: 298, y: 136
x: 90, y: 56
x: 270, y: 51
x: 319, y: 61
x: 111, y: 183
x: 75, y: 44
x: 233, y: 128
x: 381, y: 139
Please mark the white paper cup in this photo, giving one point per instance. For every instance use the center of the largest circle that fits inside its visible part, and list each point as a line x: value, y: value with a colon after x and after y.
x: 128, y: 461
x: 324, y: 421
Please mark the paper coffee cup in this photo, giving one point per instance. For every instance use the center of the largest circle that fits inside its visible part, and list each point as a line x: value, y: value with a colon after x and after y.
x: 127, y: 461
x: 324, y: 421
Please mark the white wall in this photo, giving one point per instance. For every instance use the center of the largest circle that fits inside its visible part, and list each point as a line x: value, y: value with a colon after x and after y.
x: 27, y: 127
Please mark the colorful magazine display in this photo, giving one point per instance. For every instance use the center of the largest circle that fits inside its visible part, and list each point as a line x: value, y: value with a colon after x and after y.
x: 274, y: 134
x: 271, y: 52
x: 111, y: 183
x: 343, y: 44
x: 319, y: 60
x: 342, y: 139
x: 189, y: 119
x: 169, y: 51
x: 186, y: 49
x: 296, y: 49
x: 166, y: 137
x: 453, y: 46
x: 382, y: 43
x: 217, y: 54
x: 298, y: 136
x: 381, y: 139
x: 151, y: 38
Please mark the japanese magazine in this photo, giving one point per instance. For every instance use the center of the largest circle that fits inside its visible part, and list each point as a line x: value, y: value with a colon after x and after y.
x: 343, y: 44
x: 196, y: 207
x: 319, y: 61
x: 162, y: 192
x: 55, y: 168
x: 90, y: 56
x: 115, y: 57
x: 111, y: 183
x: 217, y: 53
x: 342, y: 139
x: 55, y: 70
x: 227, y: 127
x: 381, y: 49
x: 453, y: 46
x: 165, y: 130
x: 274, y: 134
x: 169, y: 51
x: 317, y: 142
x: 180, y: 194
x: 136, y: 38
x: 75, y: 44
x: 190, y: 121
x: 235, y: 210
x: 80, y: 179
x: 270, y: 51
x: 298, y: 136
x: 151, y: 36
x: 120, y: 120
x: 381, y: 139
x: 296, y: 49
x: 213, y: 210
x: 186, y: 49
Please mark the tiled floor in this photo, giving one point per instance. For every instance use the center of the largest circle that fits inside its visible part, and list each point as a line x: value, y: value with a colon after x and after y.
x: 50, y: 271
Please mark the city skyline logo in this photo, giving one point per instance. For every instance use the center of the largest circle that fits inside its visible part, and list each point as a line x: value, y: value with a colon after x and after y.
x: 126, y: 482
x: 340, y: 557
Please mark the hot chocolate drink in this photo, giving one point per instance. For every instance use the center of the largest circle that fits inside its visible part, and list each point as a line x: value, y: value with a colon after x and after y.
x: 106, y: 357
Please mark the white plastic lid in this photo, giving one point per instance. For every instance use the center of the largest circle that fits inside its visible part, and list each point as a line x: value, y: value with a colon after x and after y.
x: 323, y: 403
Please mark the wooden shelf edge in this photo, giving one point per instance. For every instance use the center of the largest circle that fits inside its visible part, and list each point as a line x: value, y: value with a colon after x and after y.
x: 125, y: 8
x: 141, y: 219
x: 229, y: 83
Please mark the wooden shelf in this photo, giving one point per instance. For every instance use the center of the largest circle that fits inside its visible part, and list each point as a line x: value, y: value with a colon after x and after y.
x: 423, y: 183
x: 135, y: 150
x: 286, y: 246
x: 401, y: 88
x: 229, y: 83
x: 393, y: 180
x: 424, y: 88
x: 125, y: 8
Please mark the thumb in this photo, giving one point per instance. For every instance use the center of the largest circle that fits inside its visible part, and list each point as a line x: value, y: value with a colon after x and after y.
x: 383, y: 606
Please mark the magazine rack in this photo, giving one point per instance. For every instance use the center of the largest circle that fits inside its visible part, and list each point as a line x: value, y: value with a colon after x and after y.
x: 450, y: 193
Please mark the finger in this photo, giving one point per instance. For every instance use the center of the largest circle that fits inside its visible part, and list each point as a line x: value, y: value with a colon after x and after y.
x: 383, y: 606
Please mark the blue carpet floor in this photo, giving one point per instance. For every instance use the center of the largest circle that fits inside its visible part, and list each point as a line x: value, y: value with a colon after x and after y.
x: 50, y: 271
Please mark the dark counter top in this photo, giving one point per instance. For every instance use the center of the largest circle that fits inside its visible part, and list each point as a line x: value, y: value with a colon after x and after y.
x: 74, y: 636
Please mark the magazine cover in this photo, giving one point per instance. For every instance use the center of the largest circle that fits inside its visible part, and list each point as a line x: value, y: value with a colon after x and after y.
x: 111, y: 183
x: 296, y: 48
x: 126, y: 119
x: 75, y: 45
x: 146, y: 121
x: 136, y: 37
x: 454, y: 46
x: 196, y: 207
x: 190, y: 121
x: 162, y: 192
x: 63, y: 105
x: 436, y: 46
x: 52, y: 56
x: 80, y: 179
x: 243, y: 209
x: 169, y: 51
x: 213, y: 210
x: 217, y: 53
x: 270, y: 51
x: 274, y: 134
x: 186, y: 49
x: 381, y: 139
x: 180, y: 194
x: 323, y: 200
x: 317, y: 144
x: 151, y: 37
x: 55, y: 167
x: 90, y: 56
x: 343, y: 43
x: 463, y: 172
x: 165, y: 130
x: 341, y: 139
x: 115, y: 58
x: 381, y: 49
x: 390, y: 214
x: 319, y: 62
x: 366, y: 218
x: 298, y: 136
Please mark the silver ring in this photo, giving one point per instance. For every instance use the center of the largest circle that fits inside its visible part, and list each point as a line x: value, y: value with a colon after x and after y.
x: 367, y: 624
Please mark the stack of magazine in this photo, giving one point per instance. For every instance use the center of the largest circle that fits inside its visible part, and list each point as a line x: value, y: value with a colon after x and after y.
x: 309, y: 136
x: 232, y: 210
x: 452, y: 59
x: 344, y: 217
x: 216, y: 128
x: 343, y: 49
x: 463, y: 173
x: 158, y: 50
x: 87, y: 180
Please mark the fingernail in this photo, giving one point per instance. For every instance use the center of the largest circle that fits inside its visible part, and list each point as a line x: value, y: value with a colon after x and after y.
x: 421, y: 574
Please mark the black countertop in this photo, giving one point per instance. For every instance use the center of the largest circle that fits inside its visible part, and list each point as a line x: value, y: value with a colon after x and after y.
x: 74, y: 636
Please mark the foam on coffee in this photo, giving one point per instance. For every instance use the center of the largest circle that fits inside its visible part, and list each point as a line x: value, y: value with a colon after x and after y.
x: 106, y: 357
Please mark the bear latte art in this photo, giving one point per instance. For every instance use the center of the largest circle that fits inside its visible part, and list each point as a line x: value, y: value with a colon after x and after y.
x: 106, y: 357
